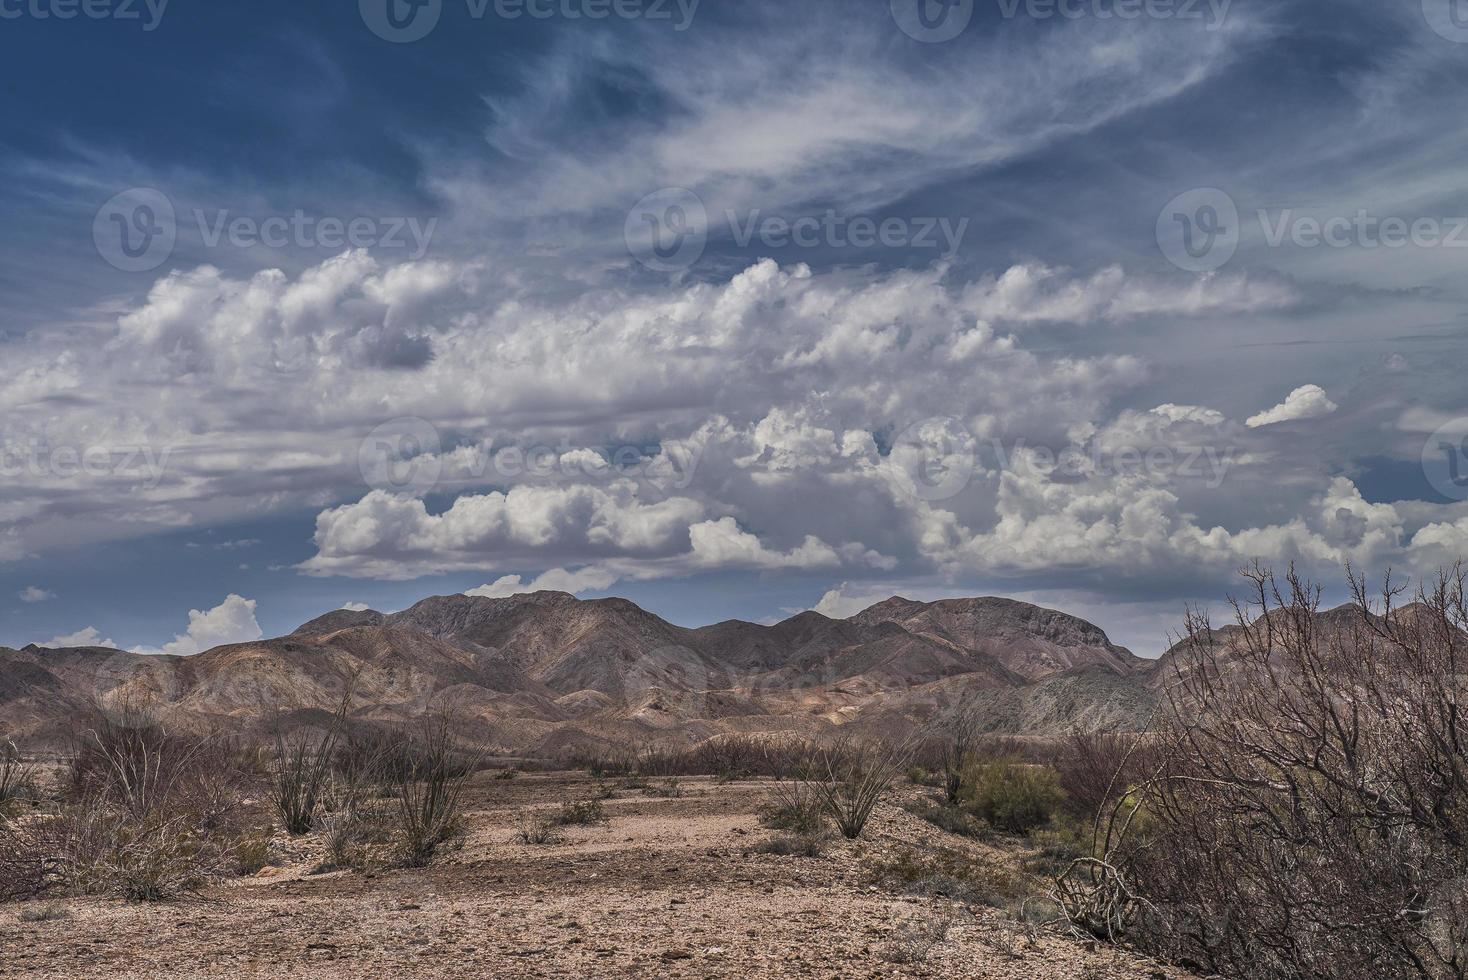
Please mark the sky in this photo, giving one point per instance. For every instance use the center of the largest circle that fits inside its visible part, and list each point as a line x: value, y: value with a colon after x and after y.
x: 735, y: 309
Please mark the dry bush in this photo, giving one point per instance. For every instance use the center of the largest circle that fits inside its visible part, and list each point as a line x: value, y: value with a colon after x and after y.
x: 45, y: 912
x: 16, y: 777
x: 919, y: 937
x: 350, y: 820
x: 1309, y: 818
x: 533, y: 827
x: 849, y: 777
x: 29, y: 860
x: 957, y: 738
x: 1094, y: 768
x: 669, y: 788
x: 429, y: 776
x: 952, y: 819
x: 147, y: 813
x: 148, y: 857
x: 795, y: 806
x: 727, y: 757
x: 811, y: 845
x: 301, y: 766
x: 151, y: 812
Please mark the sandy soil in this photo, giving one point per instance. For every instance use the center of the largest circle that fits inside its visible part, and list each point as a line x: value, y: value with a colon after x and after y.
x: 666, y: 888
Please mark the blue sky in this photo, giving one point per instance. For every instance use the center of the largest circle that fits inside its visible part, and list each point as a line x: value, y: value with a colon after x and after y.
x: 298, y: 315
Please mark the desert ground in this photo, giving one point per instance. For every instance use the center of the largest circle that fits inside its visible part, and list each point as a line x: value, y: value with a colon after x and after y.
x: 666, y: 886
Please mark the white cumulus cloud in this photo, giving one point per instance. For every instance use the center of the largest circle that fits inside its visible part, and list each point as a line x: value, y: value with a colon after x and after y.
x: 232, y: 621
x: 1305, y: 402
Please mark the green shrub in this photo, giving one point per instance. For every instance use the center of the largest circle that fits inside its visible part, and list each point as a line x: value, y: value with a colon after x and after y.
x: 951, y: 819
x: 579, y: 814
x: 923, y: 776
x: 1015, y: 797
x: 252, y: 854
x: 1056, y: 848
x: 941, y: 871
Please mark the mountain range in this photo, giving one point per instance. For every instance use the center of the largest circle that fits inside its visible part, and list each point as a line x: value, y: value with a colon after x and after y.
x: 545, y: 672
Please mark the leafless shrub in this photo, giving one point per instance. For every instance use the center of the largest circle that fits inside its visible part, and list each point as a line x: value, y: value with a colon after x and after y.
x: 151, y: 812
x: 29, y: 862
x: 849, y: 778
x: 1309, y: 817
x: 132, y: 761
x: 535, y: 827
x: 795, y: 806
x: 956, y: 737
x: 15, y: 776
x: 669, y: 788
x: 148, y: 813
x: 302, y: 763
x: 811, y: 845
x: 147, y: 857
x: 918, y: 938
x: 1093, y: 768
x: 429, y: 777
x: 727, y: 757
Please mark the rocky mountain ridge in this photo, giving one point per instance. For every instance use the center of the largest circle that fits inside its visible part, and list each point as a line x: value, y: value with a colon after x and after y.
x: 546, y: 669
